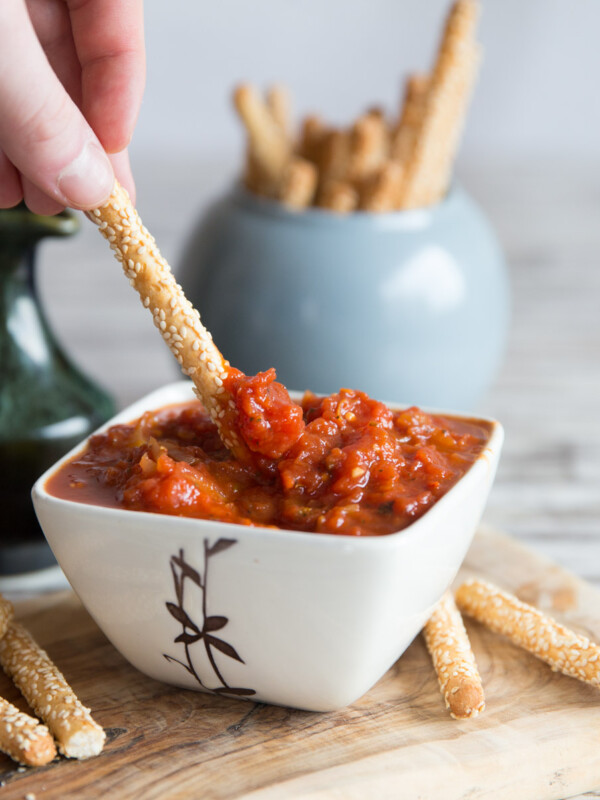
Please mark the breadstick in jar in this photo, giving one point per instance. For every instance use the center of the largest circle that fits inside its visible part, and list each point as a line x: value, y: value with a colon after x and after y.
x: 253, y: 175
x: 269, y: 144
x: 381, y: 192
x: 279, y: 104
x: 299, y: 183
x: 44, y: 687
x: 338, y: 196
x: 453, y: 660
x: 429, y: 167
x: 528, y: 627
x: 405, y: 135
x: 312, y: 135
x: 369, y: 146
x: 334, y: 156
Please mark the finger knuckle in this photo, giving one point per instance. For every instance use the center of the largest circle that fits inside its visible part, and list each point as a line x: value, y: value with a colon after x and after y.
x: 49, y: 122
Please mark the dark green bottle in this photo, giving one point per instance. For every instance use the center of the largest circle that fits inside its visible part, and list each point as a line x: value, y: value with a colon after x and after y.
x: 46, y: 405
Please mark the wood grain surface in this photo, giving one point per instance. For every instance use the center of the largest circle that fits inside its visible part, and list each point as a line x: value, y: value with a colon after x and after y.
x: 536, y: 739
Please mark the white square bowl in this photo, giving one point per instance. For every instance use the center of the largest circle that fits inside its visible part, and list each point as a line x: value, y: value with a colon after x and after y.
x: 297, y: 619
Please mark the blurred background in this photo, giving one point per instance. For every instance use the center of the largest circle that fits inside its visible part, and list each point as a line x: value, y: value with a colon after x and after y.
x: 341, y: 56
x: 533, y: 124
x: 535, y: 94
x: 530, y: 155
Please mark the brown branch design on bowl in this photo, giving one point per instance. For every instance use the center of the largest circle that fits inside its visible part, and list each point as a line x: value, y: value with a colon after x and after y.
x: 204, y: 632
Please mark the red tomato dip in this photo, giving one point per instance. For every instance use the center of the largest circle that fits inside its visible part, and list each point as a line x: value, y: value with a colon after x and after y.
x: 343, y: 464
x: 265, y: 417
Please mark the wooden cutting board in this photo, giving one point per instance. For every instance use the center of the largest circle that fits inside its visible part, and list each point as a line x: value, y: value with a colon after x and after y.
x: 538, y: 737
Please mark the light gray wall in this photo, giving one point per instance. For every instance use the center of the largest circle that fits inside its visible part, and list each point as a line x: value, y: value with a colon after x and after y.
x: 538, y: 90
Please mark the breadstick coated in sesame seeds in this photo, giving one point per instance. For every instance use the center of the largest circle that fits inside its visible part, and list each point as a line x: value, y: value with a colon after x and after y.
x: 380, y: 193
x: 6, y: 614
x: 334, y: 156
x: 453, y: 660
x: 338, y: 196
x: 253, y: 179
x: 405, y: 134
x: 299, y: 183
x: 24, y: 738
x: 312, y: 135
x: 369, y: 145
x: 269, y: 144
x: 279, y: 104
x: 175, y: 317
x: 429, y: 167
x: 526, y: 626
x: 44, y: 687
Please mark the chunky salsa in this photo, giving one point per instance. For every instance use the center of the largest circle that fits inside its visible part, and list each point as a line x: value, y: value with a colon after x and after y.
x: 343, y: 464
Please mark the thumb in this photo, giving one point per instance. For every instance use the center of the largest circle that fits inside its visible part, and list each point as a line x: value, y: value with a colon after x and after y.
x: 42, y: 131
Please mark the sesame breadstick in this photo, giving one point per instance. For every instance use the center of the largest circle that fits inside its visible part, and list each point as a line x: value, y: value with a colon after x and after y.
x: 381, y: 192
x: 376, y: 111
x: 253, y: 178
x: 23, y: 738
x: 338, y: 196
x: 369, y: 143
x: 269, y: 144
x: 312, y: 136
x: 405, y: 135
x: 299, y: 183
x: 6, y: 614
x: 453, y: 660
x: 334, y: 156
x: 429, y: 168
x: 44, y: 687
x: 279, y: 104
x: 527, y: 627
x: 173, y: 314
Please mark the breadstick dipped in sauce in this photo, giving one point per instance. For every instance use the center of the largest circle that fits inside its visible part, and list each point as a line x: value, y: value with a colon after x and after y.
x: 256, y: 419
x: 343, y: 464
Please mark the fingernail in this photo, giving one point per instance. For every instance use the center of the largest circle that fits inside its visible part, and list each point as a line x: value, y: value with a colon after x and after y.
x: 88, y: 180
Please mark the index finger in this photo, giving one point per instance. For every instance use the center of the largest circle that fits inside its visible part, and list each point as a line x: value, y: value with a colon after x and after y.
x: 109, y: 39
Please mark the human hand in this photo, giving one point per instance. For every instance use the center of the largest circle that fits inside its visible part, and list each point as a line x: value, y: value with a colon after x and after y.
x: 72, y: 75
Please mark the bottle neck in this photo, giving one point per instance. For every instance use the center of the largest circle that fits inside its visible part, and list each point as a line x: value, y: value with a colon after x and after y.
x: 17, y: 265
x: 26, y: 345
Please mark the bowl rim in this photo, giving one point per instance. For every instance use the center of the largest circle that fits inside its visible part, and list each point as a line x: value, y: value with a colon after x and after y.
x: 412, y: 219
x: 155, y: 399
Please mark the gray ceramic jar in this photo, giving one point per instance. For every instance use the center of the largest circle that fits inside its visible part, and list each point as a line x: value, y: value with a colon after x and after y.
x: 409, y: 306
